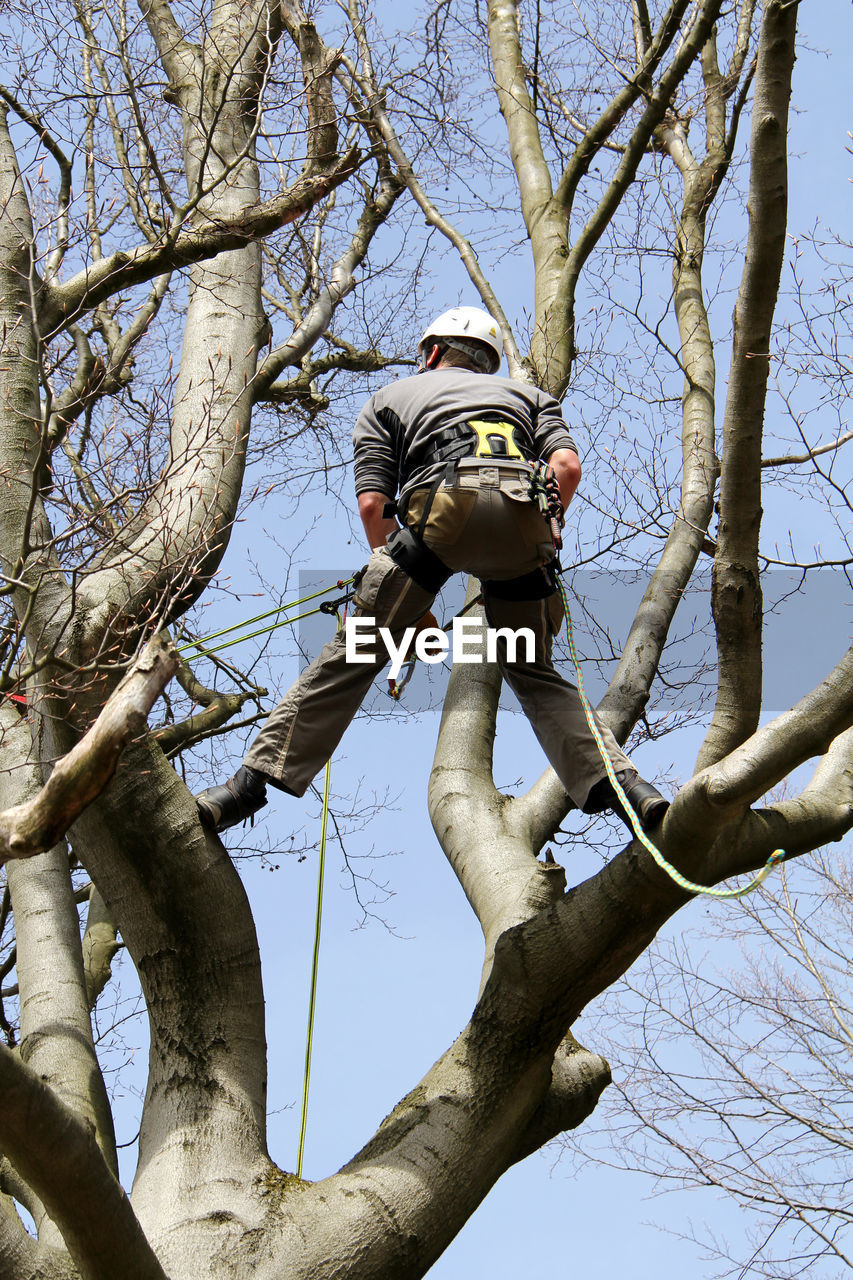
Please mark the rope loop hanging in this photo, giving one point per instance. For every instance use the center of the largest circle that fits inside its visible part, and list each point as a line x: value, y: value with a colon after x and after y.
x: 689, y: 886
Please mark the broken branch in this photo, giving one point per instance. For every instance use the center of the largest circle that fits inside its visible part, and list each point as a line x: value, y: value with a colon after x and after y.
x: 80, y: 777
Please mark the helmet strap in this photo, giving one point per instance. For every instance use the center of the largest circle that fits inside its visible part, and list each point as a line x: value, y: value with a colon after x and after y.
x: 476, y: 354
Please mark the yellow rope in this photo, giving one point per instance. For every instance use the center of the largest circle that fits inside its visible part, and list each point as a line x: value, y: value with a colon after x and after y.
x: 688, y: 885
x: 315, y: 959
x: 202, y: 644
x: 315, y: 964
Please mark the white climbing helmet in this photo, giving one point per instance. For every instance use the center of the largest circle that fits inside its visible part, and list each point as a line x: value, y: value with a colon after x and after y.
x: 467, y: 322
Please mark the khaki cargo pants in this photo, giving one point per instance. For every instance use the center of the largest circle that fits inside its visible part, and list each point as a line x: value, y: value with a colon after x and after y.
x: 485, y: 524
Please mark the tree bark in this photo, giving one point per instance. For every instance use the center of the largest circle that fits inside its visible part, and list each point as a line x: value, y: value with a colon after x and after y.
x: 736, y: 591
x: 36, y: 824
x: 55, y: 1150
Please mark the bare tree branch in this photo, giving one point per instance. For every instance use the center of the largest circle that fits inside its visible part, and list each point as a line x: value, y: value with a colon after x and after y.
x: 64, y: 196
x: 219, y: 708
x: 736, y: 590
x: 547, y: 231
x: 366, y: 81
x: 56, y: 1152
x: 578, y: 1078
x: 63, y: 303
x: 806, y: 730
x: 13, y: 1185
x: 820, y: 814
x: 179, y: 57
x: 341, y: 283
x: 486, y: 843
x: 56, y: 1033
x: 638, y: 86
x: 796, y: 459
x: 80, y: 777
x: 638, y: 665
x: 658, y: 104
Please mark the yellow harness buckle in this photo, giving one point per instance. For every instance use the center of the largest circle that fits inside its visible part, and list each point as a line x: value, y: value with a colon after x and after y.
x: 494, y: 439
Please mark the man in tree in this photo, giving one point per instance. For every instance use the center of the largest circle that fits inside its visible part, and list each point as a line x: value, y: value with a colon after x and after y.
x: 458, y: 443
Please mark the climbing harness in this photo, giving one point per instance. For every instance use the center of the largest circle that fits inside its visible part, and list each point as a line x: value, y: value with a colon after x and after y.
x: 490, y: 438
x: 539, y: 584
x: 408, y: 549
x: 483, y: 440
x: 494, y: 439
x: 414, y: 557
x: 688, y: 886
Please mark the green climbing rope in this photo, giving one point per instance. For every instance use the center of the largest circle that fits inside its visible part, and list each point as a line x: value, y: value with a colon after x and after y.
x: 689, y: 886
x: 203, y: 650
x: 315, y: 958
x: 203, y: 646
x: 315, y: 965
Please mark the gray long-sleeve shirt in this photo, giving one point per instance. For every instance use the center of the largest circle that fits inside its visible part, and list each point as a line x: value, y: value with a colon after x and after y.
x: 397, y: 426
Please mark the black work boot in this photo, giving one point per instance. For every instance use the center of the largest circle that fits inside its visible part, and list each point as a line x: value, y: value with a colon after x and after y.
x: 646, y: 801
x: 236, y: 800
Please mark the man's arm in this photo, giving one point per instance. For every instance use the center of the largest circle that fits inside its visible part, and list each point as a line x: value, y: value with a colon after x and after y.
x: 377, y: 527
x: 370, y: 507
x: 566, y: 466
